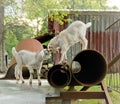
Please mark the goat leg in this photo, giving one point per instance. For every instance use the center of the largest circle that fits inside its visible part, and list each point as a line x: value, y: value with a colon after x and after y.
x: 16, y: 73
x: 31, y: 74
x: 39, y: 80
x: 84, y: 43
x: 21, y: 77
x: 63, y: 58
x: 39, y: 74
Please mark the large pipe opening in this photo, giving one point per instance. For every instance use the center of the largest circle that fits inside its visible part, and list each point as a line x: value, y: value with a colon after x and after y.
x: 93, y: 67
x: 59, y: 76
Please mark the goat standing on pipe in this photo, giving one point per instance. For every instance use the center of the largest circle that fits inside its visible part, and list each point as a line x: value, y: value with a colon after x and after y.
x: 31, y: 60
x: 74, y: 33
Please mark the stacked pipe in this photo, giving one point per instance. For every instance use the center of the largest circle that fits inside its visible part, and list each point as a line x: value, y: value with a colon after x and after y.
x: 87, y: 68
x: 59, y: 76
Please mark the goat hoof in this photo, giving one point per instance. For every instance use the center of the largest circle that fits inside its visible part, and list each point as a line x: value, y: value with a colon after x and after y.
x: 39, y: 84
x: 23, y: 82
x: 30, y: 83
x: 17, y: 80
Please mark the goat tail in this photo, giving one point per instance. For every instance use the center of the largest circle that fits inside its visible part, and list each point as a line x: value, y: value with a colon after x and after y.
x: 14, y: 52
x: 88, y: 24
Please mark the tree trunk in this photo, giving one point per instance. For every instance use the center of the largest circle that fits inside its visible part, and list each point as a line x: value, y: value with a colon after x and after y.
x: 2, y: 56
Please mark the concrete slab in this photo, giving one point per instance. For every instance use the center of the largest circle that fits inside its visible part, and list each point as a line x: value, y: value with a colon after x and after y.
x: 17, y: 93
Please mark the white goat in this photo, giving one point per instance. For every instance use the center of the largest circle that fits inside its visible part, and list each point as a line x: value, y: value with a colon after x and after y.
x: 75, y: 32
x: 32, y: 60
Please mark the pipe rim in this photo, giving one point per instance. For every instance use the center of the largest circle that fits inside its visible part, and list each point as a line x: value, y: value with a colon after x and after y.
x: 98, y: 79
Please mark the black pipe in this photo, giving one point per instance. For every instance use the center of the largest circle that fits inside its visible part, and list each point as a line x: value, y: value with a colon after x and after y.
x: 93, y: 68
x: 59, y: 76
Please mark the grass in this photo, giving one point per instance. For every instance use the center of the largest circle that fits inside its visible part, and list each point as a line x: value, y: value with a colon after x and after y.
x: 114, y: 95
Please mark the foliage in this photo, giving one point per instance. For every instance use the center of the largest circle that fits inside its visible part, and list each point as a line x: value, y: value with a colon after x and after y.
x: 15, y: 30
x: 41, y: 10
x: 18, y: 27
x: 35, y: 9
x: 49, y: 9
x: 59, y: 16
x: 10, y: 42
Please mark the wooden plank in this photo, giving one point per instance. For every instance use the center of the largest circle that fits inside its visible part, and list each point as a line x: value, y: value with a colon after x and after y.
x: 79, y: 95
x: 114, y: 60
x: 107, y: 97
x: 70, y: 97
